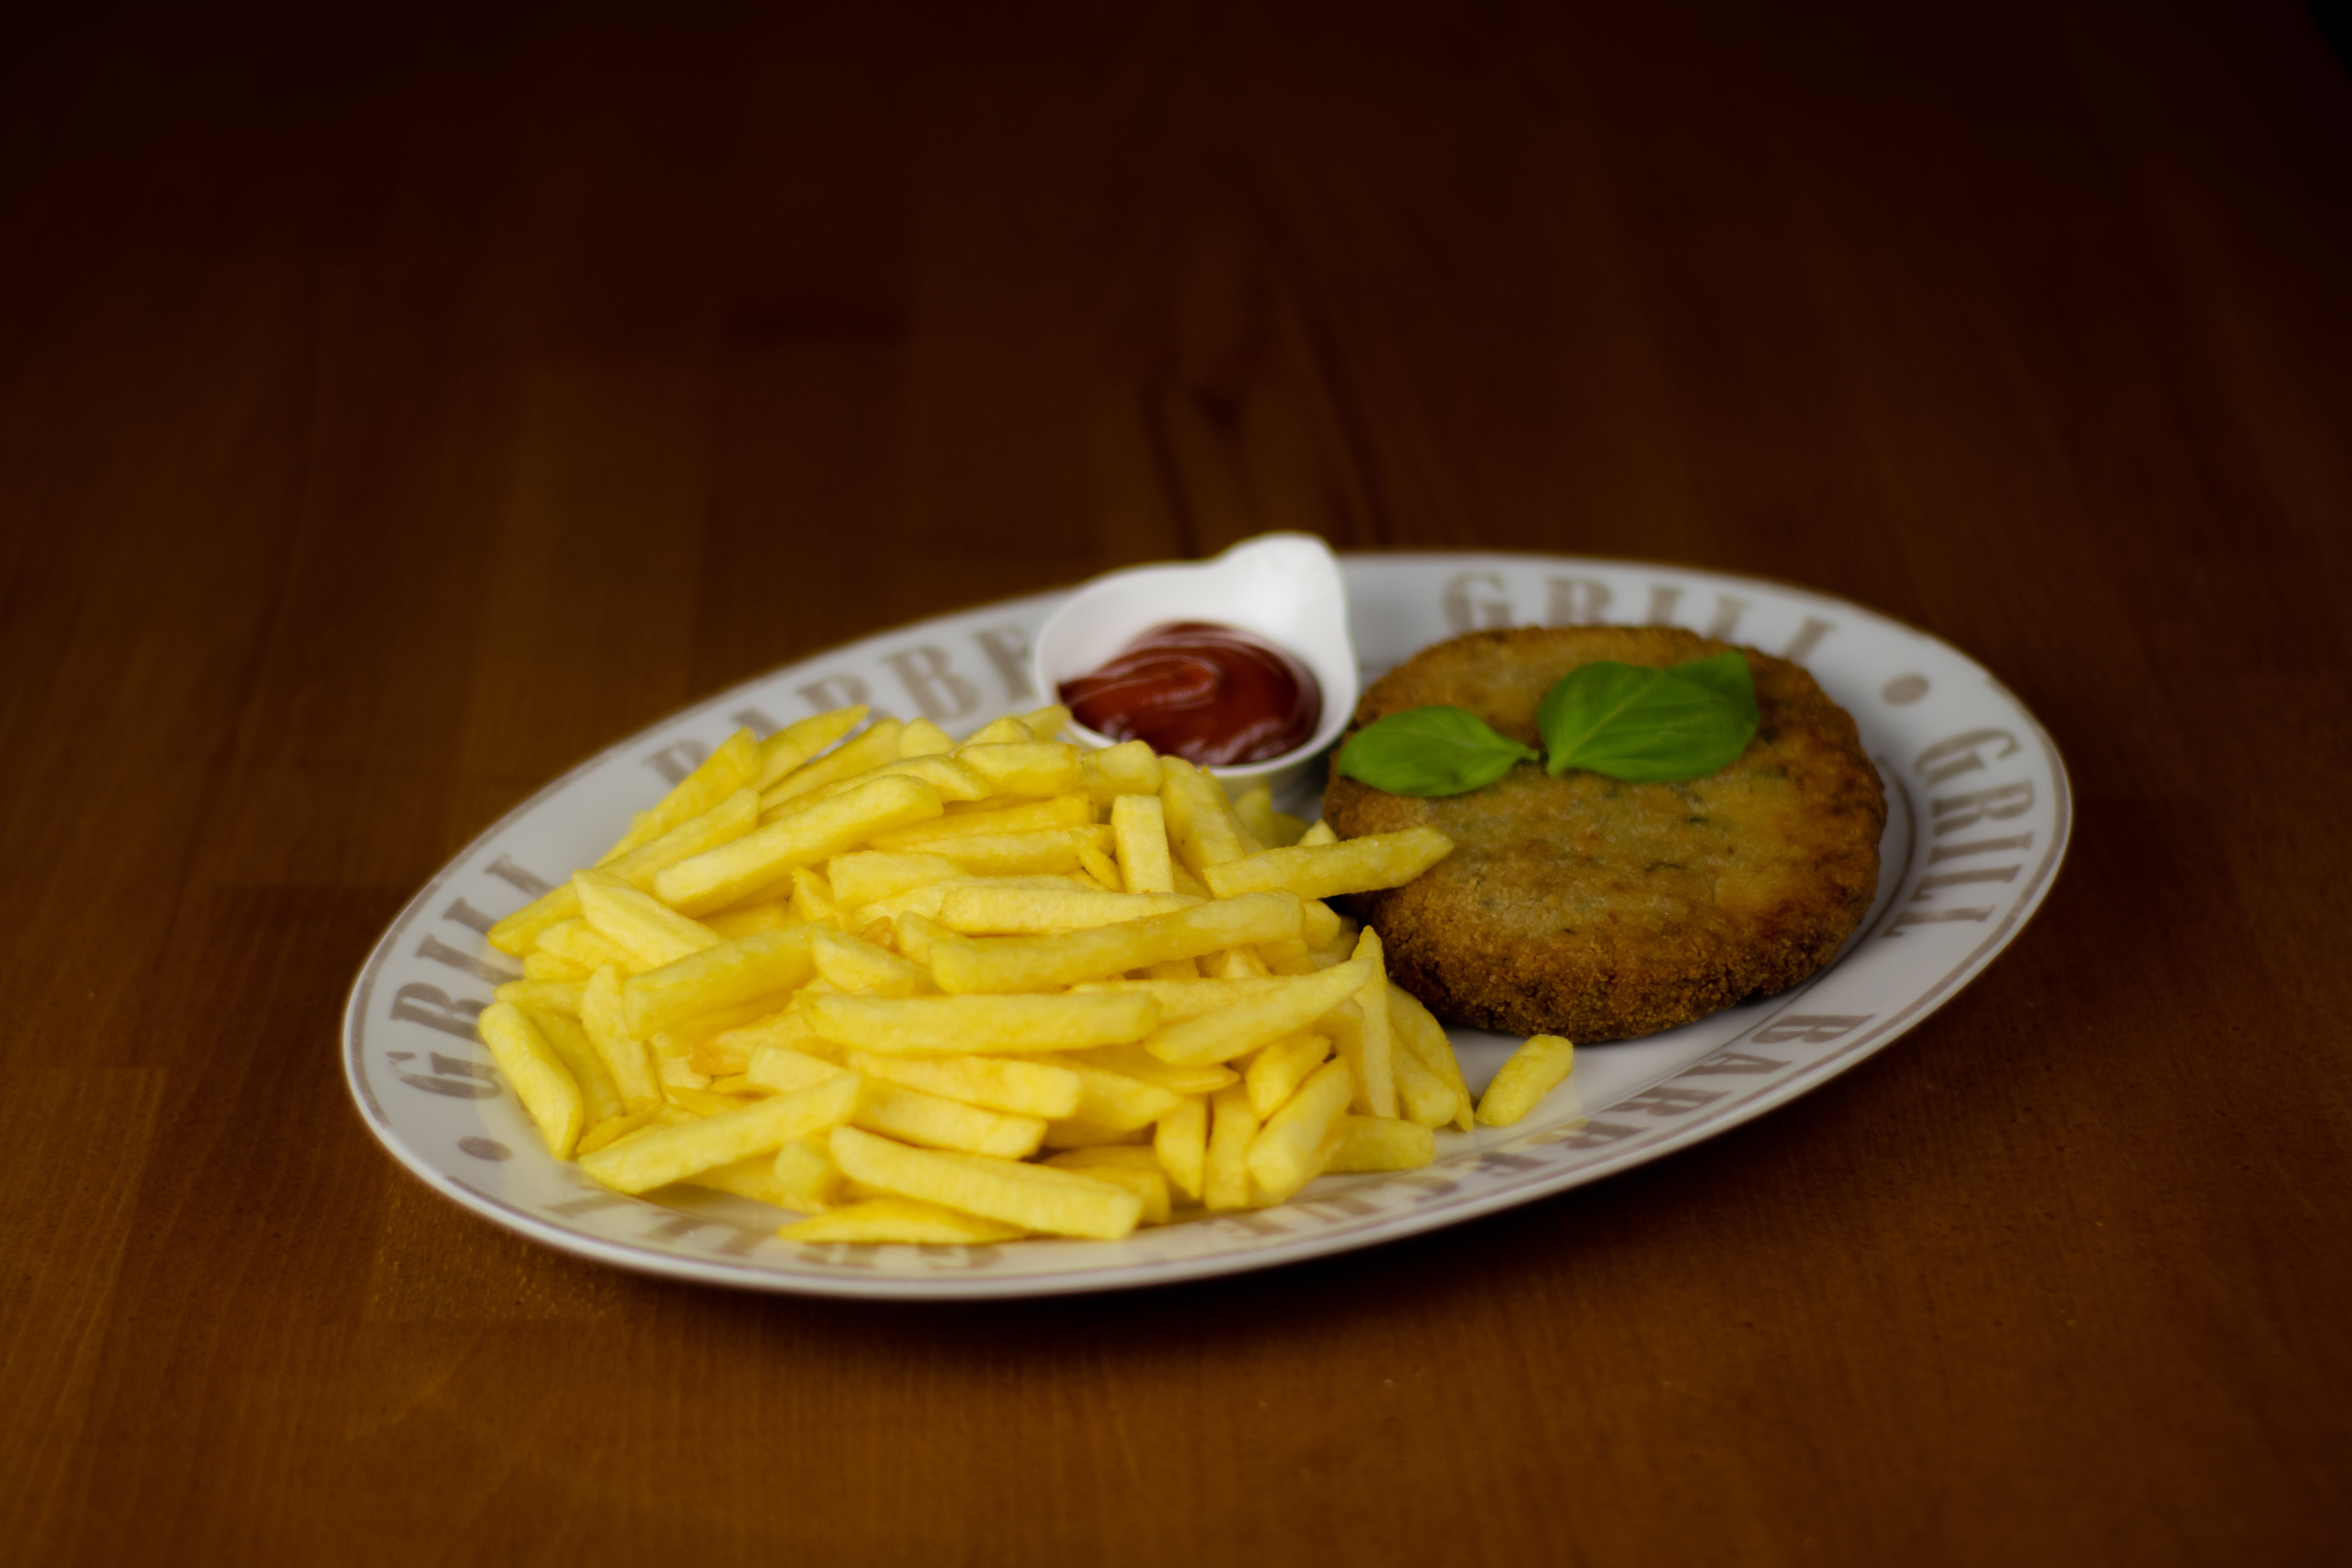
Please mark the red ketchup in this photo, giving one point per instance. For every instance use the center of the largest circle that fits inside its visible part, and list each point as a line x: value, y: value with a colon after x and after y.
x: 1210, y: 694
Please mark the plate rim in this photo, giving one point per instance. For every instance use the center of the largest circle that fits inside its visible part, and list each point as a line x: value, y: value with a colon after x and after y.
x: 1299, y: 1248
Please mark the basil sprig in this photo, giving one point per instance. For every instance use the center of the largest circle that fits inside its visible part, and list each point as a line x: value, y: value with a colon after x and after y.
x: 1430, y: 750
x: 1627, y: 721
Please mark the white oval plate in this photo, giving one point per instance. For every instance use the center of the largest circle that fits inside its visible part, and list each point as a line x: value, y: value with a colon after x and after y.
x: 1976, y: 821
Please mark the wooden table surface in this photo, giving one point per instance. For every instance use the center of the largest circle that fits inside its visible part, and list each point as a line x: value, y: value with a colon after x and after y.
x: 395, y: 409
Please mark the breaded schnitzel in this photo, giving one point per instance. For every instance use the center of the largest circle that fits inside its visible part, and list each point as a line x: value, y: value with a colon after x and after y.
x: 1601, y: 911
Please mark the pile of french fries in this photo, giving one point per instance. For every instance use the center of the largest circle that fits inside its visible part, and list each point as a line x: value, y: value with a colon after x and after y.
x: 919, y: 991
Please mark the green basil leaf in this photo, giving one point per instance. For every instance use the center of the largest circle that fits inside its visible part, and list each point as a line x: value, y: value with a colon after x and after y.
x: 1649, y: 726
x: 1430, y: 750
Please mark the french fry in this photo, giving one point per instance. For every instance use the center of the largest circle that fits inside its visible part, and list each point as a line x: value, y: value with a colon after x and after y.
x: 855, y: 964
x: 913, y: 1117
x: 728, y: 769
x: 1280, y: 1067
x: 1034, y: 1197
x: 865, y: 875
x: 1032, y: 964
x: 764, y: 857
x: 783, y: 1069
x: 806, y: 1177
x: 659, y: 1155
x: 1046, y: 723
x: 1058, y: 849
x: 1114, y: 1101
x: 950, y: 778
x: 754, y: 1176
x: 1008, y: 730
x: 813, y: 901
x: 1129, y: 768
x: 728, y: 975
x: 731, y: 818
x: 1181, y: 1141
x: 1373, y: 1064
x: 878, y: 744
x: 542, y: 995
x: 1532, y: 1072
x: 921, y: 738
x: 1417, y: 1031
x: 1030, y: 816
x: 1139, y: 826
x: 1036, y: 768
x: 1148, y: 1182
x: 574, y: 942
x: 1319, y: 832
x: 905, y: 1220
x: 1423, y: 1098
x: 1246, y: 1025
x: 637, y: 923
x: 1225, y: 1180
x: 952, y: 1026
x: 1285, y: 1153
x: 1094, y: 856
x: 1254, y: 809
x: 1182, y: 999
x: 536, y: 1074
x: 745, y: 918
x: 796, y: 743
x: 990, y: 911
x: 548, y: 966
x: 599, y: 1099
x: 612, y: 1132
x: 1201, y: 822
x: 1374, y: 1143
x: 1017, y: 1088
x: 1362, y: 865
x: 1136, y: 1062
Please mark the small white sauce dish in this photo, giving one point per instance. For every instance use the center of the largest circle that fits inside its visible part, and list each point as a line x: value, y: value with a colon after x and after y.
x: 1284, y: 588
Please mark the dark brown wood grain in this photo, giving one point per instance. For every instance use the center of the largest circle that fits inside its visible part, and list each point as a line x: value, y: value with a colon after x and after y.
x: 397, y: 407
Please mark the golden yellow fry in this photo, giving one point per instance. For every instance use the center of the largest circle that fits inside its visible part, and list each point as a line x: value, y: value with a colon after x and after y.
x: 917, y: 933
x: 1286, y: 1153
x: 1116, y: 1101
x: 950, y: 1025
x: 783, y: 1069
x: 732, y: 818
x: 877, y: 745
x: 908, y: 1221
x: 1236, y: 964
x: 1423, y: 1098
x: 1181, y: 1141
x: 745, y: 918
x: 1246, y: 1025
x: 1292, y: 957
x: 1182, y: 999
x: 1018, y: 1088
x: 766, y: 855
x: 1147, y: 1183
x: 1375, y: 1143
x: 536, y: 1074
x: 1059, y: 849
x: 1225, y: 1181
x: 1134, y: 1061
x: 612, y: 1132
x: 1034, y: 964
x: 1534, y: 1071
x: 549, y: 966
x: 638, y: 923
x: 1046, y: 724
x: 806, y: 1177
x: 913, y: 1117
x: 1034, y: 768
x: 1288, y: 830
x: 1016, y: 911
x: 1094, y: 856
x: 1139, y: 826
x: 1280, y: 1067
x: 950, y: 778
x: 1325, y: 870
x: 754, y: 1176
x: 1011, y: 729
x: 1320, y: 833
x: 659, y: 1155
x: 1423, y: 1035
x: 921, y: 738
x: 1254, y: 809
x: 574, y: 943
x: 702, y: 1103
x: 855, y: 964
x: 730, y: 768
x: 796, y: 743
x: 1130, y: 767
x: 1078, y: 1133
x: 599, y: 1099
x: 1201, y: 823
x: 1374, y: 1062
x: 542, y: 995
x: 812, y: 899
x: 721, y: 978
x: 1034, y: 1197
x: 865, y: 875
x: 1030, y: 816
